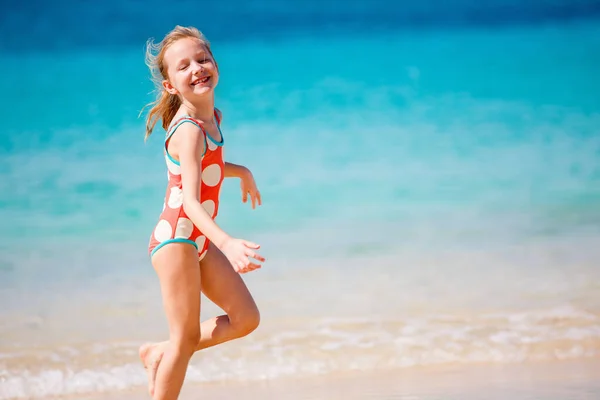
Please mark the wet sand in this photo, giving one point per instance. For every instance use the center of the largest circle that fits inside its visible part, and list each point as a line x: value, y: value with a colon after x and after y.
x: 565, y: 380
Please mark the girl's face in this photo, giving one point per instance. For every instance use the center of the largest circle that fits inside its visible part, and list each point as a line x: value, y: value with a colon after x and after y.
x: 191, y: 70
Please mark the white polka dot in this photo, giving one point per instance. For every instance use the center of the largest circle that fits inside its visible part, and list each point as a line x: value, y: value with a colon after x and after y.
x: 163, y: 231
x: 211, y: 145
x: 184, y: 228
x: 211, y: 175
x: 200, y: 242
x: 209, y: 206
x: 172, y: 167
x: 175, y: 197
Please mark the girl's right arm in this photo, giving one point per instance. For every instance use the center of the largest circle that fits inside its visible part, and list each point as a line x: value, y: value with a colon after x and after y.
x: 191, y: 144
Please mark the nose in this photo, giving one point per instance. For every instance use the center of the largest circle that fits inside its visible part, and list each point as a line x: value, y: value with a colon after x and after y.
x: 198, y: 67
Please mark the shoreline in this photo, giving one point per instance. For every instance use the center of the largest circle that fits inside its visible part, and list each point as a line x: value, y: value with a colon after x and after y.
x: 551, y: 380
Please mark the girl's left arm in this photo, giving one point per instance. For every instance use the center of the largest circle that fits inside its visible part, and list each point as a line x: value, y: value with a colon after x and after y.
x: 235, y: 171
x: 247, y: 183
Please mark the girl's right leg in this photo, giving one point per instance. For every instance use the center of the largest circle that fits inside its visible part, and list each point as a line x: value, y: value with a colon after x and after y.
x: 176, y: 265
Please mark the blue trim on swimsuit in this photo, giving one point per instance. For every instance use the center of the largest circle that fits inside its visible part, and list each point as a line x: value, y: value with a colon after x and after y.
x: 173, y: 241
x: 222, y: 142
x: 174, y: 161
x: 174, y: 128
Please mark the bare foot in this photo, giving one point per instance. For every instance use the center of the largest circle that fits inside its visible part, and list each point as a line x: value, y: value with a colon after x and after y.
x: 150, y: 355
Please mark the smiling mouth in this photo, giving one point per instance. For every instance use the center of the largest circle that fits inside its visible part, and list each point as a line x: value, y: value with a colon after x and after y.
x: 201, y: 81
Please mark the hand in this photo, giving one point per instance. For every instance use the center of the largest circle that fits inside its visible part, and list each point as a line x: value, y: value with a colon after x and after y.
x: 248, y: 186
x: 239, y: 252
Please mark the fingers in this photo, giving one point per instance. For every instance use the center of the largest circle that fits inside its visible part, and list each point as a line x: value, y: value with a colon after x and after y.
x: 253, y: 266
x: 240, y: 265
x: 255, y: 197
x: 249, y: 268
x: 251, y: 245
x: 256, y: 256
x: 241, y: 254
x: 249, y: 265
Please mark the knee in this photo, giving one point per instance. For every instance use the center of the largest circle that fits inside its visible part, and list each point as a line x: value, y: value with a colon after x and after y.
x: 247, y: 322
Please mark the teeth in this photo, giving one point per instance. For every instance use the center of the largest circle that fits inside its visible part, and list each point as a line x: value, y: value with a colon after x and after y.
x: 201, y: 80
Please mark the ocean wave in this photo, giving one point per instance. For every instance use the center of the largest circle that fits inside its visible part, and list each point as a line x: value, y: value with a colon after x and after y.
x: 327, y: 346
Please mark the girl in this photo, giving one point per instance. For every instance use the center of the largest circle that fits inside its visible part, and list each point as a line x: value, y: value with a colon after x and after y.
x: 189, y: 252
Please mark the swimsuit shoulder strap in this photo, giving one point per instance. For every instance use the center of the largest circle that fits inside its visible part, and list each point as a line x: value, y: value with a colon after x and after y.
x: 176, y: 124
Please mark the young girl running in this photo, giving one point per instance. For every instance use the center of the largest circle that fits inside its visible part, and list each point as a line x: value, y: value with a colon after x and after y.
x: 189, y: 252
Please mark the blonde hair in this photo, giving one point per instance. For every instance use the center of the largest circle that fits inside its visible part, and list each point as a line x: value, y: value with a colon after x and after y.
x: 166, y: 104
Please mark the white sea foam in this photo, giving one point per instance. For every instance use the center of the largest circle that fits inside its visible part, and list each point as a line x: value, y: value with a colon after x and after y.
x: 329, y: 345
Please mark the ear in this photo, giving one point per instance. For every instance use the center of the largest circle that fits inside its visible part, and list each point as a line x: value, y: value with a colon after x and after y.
x: 169, y: 88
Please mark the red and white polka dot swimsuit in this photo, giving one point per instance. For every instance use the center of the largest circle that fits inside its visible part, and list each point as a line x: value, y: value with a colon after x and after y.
x: 174, y: 226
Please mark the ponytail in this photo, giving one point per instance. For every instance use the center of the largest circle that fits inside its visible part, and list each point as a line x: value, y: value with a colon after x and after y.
x: 163, y: 108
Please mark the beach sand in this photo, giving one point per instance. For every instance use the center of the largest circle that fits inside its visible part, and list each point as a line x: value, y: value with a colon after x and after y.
x: 548, y: 381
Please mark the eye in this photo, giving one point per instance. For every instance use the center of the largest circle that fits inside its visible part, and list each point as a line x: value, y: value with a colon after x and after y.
x: 204, y: 60
x: 182, y: 67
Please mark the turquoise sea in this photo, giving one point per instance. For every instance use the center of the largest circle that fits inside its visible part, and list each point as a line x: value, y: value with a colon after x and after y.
x: 430, y: 176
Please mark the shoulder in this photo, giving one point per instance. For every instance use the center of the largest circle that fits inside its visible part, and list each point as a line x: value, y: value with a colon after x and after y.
x: 188, y: 132
x: 185, y: 124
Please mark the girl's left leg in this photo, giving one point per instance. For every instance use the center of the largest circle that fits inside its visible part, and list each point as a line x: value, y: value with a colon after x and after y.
x: 226, y: 288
